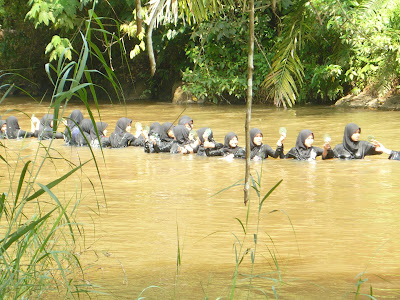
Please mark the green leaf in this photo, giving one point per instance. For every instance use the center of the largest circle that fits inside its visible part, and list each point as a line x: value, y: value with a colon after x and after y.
x: 55, y: 182
x: 21, y: 231
x: 21, y: 181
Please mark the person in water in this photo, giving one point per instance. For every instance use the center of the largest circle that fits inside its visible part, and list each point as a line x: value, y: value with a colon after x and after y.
x: 168, y: 132
x: 259, y: 151
x: 164, y: 140
x: 207, y: 145
x: 121, y: 137
x: 353, y: 148
x: 101, y: 140
x: 231, y: 148
x: 44, y: 130
x: 153, y: 138
x: 13, y: 131
x: 72, y: 128
x: 186, y: 121
x: 183, y: 143
x: 304, y: 149
x: 85, y: 133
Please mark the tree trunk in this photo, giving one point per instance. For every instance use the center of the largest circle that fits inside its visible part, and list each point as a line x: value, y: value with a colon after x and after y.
x: 150, y: 50
x: 250, y: 68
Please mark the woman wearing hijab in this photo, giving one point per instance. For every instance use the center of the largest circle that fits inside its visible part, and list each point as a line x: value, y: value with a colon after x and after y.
x: 168, y: 132
x: 153, y: 138
x: 208, y: 146
x: 231, y: 147
x: 45, y: 131
x: 166, y: 138
x: 183, y: 144
x: 259, y: 151
x: 72, y: 129
x: 121, y: 137
x: 102, y: 140
x: 85, y: 133
x: 186, y: 121
x: 353, y: 148
x: 13, y: 131
x: 304, y: 150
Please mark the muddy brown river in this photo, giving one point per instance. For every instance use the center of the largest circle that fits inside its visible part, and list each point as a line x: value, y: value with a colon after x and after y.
x: 324, y: 225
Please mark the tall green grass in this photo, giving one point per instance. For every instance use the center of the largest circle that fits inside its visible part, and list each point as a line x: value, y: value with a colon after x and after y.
x: 39, y: 229
x: 246, y: 246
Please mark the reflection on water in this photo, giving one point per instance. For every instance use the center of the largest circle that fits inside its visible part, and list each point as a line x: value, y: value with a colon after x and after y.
x: 327, y: 222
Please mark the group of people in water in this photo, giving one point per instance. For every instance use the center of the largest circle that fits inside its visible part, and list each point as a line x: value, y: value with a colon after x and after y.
x: 182, y: 138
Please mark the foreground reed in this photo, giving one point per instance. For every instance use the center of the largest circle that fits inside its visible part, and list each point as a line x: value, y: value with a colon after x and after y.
x: 40, y: 233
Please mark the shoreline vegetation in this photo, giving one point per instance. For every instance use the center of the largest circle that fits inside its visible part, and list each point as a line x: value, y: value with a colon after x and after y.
x: 303, y: 52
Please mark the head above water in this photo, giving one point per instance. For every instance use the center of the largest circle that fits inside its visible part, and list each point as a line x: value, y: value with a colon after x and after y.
x: 186, y: 121
x: 256, y: 138
x: 181, y: 134
x: 75, y: 118
x: 12, y: 127
x: 231, y: 140
x: 205, y: 133
x: 351, y: 137
x: 123, y: 125
x: 168, y: 131
x: 305, y: 139
x: 156, y: 129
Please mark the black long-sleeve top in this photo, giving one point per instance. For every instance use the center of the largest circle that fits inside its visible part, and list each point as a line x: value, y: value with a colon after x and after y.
x: 315, y: 151
x: 265, y: 150
x: 364, y: 148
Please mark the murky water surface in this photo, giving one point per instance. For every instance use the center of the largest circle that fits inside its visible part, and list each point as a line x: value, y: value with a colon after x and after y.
x: 327, y: 222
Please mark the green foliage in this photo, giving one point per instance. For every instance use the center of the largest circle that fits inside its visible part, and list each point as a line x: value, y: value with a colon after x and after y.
x: 218, y: 53
x: 326, y: 81
x: 62, y: 13
x: 59, y: 46
x: 287, y: 69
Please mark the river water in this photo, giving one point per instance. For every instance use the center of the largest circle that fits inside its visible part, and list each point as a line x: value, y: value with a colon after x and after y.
x: 323, y: 226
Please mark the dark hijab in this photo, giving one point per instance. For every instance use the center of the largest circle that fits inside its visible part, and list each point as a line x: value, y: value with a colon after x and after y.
x: 167, y: 126
x: 45, y: 123
x: 348, y: 144
x: 302, y: 151
x: 120, y: 130
x: 101, y: 126
x: 228, y: 137
x: 181, y: 134
x: 12, y: 127
x: 156, y: 128
x: 75, y: 118
x: 200, y: 133
x: 45, y: 129
x: 86, y: 126
x: 253, y: 133
x: 184, y: 120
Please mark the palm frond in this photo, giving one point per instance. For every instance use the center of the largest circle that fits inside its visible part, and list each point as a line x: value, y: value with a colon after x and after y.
x: 287, y: 71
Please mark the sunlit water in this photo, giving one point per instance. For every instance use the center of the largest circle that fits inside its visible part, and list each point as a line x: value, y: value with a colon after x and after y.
x: 327, y: 222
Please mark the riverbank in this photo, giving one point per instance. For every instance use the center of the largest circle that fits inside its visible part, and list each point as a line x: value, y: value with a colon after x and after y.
x: 366, y: 100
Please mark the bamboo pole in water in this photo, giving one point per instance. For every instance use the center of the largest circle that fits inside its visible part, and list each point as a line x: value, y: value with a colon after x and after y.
x: 250, y: 68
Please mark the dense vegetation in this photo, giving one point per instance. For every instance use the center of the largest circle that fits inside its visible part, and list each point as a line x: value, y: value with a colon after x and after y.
x: 306, y: 51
